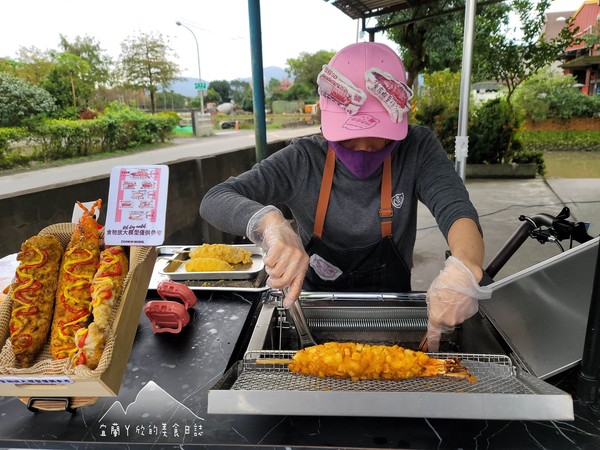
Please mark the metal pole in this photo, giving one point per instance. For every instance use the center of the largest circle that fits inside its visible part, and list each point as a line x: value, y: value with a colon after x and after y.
x: 588, y: 381
x: 200, y: 91
x: 462, y: 139
x: 258, y: 84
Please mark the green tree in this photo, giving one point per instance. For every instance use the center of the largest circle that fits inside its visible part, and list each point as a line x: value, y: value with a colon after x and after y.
x: 247, y: 102
x: 146, y: 65
x: 239, y: 91
x: 32, y: 64
x: 532, y: 98
x: 66, y: 80
x: 438, y: 102
x: 9, y: 66
x: 440, y: 88
x: 298, y: 91
x: 307, y: 66
x: 433, y: 44
x: 20, y: 100
x: 501, y: 52
x: 211, y: 96
x: 492, y: 134
x: 273, y: 86
x: 223, y: 88
x: 88, y: 49
x: 510, y: 56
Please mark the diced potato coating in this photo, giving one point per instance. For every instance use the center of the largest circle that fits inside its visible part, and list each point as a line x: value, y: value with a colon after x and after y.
x: 365, y: 362
x: 207, y: 265
x: 224, y: 252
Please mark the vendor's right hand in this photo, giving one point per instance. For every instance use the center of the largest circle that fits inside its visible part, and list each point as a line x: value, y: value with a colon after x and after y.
x: 285, y: 259
x: 452, y: 298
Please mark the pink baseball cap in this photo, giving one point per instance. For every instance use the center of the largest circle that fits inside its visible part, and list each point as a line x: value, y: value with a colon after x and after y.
x: 374, y: 110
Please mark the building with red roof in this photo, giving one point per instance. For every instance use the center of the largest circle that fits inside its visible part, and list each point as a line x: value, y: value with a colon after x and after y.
x: 582, y: 60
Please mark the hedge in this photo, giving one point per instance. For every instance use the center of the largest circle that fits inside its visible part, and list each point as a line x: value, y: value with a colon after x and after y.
x: 10, y: 158
x: 568, y: 140
x: 11, y: 135
x: 55, y: 139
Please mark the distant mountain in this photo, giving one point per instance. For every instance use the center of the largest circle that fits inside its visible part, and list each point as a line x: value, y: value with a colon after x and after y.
x: 274, y: 72
x: 185, y: 86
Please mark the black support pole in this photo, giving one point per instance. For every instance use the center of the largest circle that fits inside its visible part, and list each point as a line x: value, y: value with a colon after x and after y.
x: 589, y: 374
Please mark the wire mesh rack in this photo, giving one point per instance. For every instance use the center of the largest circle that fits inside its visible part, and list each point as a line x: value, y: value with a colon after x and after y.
x: 495, y: 374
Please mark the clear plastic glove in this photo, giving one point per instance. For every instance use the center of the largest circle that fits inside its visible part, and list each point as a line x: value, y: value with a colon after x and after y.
x: 285, y: 259
x: 452, y: 298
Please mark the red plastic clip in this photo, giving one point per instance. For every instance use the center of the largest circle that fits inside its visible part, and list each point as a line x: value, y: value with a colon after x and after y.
x: 168, y: 315
x: 170, y: 289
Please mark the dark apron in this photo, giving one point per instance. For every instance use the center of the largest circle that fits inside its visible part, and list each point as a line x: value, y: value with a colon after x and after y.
x: 376, y: 268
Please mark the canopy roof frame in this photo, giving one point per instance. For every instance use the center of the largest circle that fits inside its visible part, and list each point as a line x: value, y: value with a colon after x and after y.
x: 417, y: 16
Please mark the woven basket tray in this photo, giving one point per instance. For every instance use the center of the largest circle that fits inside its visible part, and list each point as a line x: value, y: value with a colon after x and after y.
x: 44, y: 364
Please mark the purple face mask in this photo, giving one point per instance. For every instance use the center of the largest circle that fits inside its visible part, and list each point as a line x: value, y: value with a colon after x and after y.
x: 362, y: 164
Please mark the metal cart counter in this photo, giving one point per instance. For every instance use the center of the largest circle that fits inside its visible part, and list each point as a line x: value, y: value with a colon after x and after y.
x: 163, y: 402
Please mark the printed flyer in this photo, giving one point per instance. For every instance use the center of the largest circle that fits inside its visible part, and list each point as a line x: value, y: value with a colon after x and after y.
x: 137, y: 205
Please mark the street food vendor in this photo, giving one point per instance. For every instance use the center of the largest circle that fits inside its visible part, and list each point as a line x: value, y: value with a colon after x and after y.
x: 353, y: 192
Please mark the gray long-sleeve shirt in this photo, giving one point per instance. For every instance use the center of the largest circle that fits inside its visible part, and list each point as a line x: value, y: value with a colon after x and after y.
x: 292, y: 176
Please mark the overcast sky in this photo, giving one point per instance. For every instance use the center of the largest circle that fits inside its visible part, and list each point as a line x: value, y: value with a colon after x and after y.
x: 289, y: 27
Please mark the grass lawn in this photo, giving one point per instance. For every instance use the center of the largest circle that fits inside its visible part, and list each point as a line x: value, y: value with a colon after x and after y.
x: 572, y: 164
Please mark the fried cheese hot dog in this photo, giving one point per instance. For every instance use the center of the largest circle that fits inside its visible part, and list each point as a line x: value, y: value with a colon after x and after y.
x: 73, y: 296
x: 106, y: 288
x: 33, y: 291
x: 372, y: 362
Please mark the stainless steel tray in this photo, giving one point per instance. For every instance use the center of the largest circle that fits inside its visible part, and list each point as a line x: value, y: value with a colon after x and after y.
x: 174, y: 268
x: 255, y: 284
x: 501, y: 392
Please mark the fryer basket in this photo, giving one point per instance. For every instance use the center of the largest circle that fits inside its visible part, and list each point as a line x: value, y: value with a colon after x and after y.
x: 501, y: 392
x: 495, y: 374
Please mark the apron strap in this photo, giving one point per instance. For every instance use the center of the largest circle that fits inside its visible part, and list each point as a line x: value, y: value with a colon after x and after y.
x: 386, y: 213
x: 325, y: 193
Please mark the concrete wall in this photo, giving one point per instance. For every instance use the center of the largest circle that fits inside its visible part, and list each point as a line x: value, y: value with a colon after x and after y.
x: 25, y: 215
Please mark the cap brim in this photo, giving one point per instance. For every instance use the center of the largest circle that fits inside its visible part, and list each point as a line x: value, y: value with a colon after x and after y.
x: 340, y: 126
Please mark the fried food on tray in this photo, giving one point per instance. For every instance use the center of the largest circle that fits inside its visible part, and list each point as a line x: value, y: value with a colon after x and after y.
x: 224, y: 252
x: 106, y: 288
x: 207, y: 265
x: 33, y: 290
x: 73, y: 296
x: 372, y: 362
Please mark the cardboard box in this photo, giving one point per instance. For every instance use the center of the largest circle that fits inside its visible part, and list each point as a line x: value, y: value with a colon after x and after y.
x: 46, y: 378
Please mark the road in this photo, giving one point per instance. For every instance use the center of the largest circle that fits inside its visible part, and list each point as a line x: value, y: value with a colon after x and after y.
x: 182, y: 149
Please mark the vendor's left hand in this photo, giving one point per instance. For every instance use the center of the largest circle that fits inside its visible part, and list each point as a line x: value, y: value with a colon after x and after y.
x: 452, y: 298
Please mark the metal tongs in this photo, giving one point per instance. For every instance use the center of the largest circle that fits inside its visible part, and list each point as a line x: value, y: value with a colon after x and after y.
x: 295, y: 311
